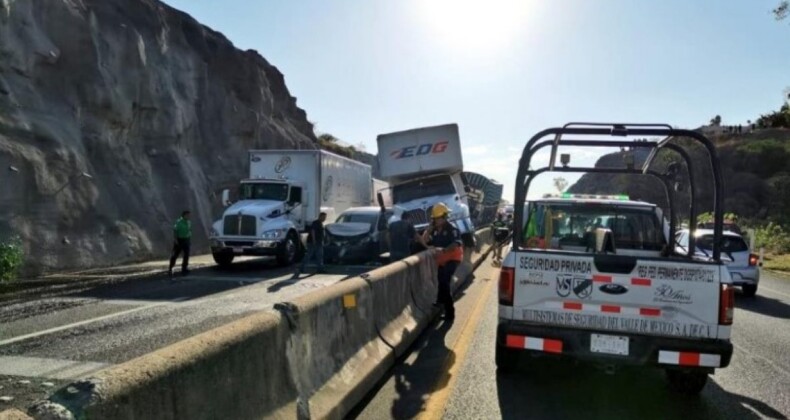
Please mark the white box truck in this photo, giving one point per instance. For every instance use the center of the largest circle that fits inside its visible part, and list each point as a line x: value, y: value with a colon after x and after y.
x: 286, y: 190
x: 424, y: 167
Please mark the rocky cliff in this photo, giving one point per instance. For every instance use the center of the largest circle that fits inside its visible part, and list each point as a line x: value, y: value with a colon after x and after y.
x: 117, y: 114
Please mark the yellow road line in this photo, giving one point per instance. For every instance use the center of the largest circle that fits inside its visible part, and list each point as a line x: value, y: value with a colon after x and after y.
x: 437, y: 401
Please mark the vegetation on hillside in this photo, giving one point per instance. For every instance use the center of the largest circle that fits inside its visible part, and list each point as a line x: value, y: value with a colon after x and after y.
x: 782, y: 10
x: 756, y: 179
x: 330, y: 143
x: 11, y: 259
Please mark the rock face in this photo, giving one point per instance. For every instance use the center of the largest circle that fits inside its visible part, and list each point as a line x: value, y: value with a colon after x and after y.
x: 117, y: 114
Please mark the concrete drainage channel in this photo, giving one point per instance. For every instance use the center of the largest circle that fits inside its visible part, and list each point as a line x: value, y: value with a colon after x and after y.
x: 316, y: 356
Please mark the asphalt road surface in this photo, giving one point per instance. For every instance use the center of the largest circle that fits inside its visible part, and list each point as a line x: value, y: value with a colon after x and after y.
x: 46, y: 342
x: 451, y: 372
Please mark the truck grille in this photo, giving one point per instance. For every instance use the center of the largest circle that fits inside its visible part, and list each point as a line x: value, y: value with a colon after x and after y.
x: 418, y: 216
x: 231, y: 225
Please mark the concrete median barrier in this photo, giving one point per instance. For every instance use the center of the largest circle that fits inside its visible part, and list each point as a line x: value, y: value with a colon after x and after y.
x: 334, y: 350
x: 473, y: 257
x: 396, y: 290
x: 316, y: 356
x: 236, y: 371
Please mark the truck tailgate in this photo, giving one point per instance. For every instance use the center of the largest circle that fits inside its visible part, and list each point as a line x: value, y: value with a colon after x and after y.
x: 637, y: 295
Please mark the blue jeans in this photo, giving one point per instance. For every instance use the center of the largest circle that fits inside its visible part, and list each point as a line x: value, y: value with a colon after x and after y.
x: 313, y: 252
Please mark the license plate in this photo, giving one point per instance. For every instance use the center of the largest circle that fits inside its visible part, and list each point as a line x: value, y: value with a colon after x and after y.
x: 238, y: 250
x: 609, y: 344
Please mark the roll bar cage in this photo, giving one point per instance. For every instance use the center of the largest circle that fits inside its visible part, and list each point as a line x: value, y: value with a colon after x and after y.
x: 611, y: 132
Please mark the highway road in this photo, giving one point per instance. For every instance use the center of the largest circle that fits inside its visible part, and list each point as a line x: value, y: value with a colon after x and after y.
x: 451, y: 372
x: 46, y: 342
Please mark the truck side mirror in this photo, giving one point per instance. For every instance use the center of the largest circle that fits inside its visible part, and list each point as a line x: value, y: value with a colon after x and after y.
x: 380, y: 199
x: 226, y: 197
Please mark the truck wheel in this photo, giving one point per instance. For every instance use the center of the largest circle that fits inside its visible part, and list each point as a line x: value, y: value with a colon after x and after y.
x: 223, y: 259
x: 687, y: 382
x: 506, y: 359
x: 288, y: 250
x: 749, y: 290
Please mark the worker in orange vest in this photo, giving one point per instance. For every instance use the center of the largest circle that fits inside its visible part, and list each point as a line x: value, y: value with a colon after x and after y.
x: 446, y: 238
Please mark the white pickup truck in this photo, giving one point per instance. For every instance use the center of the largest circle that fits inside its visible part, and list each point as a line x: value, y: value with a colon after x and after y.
x: 594, y: 278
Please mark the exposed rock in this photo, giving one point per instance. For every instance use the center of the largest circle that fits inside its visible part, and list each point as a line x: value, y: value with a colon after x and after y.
x: 141, y: 97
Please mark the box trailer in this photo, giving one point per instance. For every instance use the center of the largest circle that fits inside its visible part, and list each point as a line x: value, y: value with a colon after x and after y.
x: 286, y: 190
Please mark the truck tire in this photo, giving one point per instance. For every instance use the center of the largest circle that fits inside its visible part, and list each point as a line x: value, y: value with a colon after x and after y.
x: 223, y: 259
x: 749, y: 290
x: 688, y: 382
x: 506, y: 359
x: 288, y: 251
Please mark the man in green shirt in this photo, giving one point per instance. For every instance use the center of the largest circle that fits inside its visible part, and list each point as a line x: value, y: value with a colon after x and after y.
x: 182, y: 240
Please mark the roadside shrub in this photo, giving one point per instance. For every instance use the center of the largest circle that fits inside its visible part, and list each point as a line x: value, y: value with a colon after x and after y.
x: 773, y: 237
x: 11, y: 258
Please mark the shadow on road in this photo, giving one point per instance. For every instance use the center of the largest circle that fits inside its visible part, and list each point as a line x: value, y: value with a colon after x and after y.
x: 763, y: 305
x: 557, y: 389
x: 413, y: 382
x: 199, y: 283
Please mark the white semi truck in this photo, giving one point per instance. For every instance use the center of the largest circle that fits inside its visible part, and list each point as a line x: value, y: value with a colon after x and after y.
x: 424, y: 167
x: 286, y: 190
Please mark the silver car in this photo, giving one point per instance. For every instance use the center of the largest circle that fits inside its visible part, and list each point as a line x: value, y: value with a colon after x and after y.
x: 744, y: 266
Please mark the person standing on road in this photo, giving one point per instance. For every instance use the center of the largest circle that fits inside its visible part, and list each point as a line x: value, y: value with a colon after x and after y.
x: 315, y: 245
x: 501, y: 233
x: 445, y: 237
x: 182, y: 241
x: 402, y: 235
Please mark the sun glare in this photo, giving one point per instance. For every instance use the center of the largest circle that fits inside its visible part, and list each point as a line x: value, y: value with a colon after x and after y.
x: 486, y: 26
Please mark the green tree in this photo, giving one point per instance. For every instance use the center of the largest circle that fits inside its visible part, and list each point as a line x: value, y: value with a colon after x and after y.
x: 782, y: 10
x: 11, y: 258
x: 716, y: 120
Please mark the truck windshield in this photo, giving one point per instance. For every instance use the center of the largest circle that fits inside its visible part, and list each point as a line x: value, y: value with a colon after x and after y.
x: 264, y: 191
x: 572, y: 225
x: 428, y: 187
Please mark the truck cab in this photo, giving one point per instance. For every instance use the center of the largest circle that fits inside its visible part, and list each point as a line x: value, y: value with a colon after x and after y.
x: 263, y: 221
x: 599, y: 279
x: 424, y: 167
x: 286, y: 190
x: 418, y: 196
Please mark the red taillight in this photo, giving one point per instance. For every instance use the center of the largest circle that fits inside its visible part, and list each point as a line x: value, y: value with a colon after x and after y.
x: 726, y: 304
x: 506, y: 285
x: 754, y: 259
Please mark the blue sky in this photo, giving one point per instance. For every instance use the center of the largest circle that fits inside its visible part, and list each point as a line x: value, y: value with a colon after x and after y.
x: 505, y: 69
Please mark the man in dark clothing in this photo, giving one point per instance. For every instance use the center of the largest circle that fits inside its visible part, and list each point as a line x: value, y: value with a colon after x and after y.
x: 501, y: 233
x: 445, y: 237
x: 182, y: 241
x: 315, y: 245
x: 402, y: 234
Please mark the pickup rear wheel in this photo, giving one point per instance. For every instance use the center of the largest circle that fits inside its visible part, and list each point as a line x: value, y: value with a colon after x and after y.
x: 687, y: 382
x: 506, y: 359
x: 223, y: 259
x: 749, y: 290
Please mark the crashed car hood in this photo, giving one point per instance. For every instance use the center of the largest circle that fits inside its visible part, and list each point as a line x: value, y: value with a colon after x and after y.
x: 348, y: 229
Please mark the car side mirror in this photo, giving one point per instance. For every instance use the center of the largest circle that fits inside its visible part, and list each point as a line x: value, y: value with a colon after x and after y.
x: 226, y: 197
